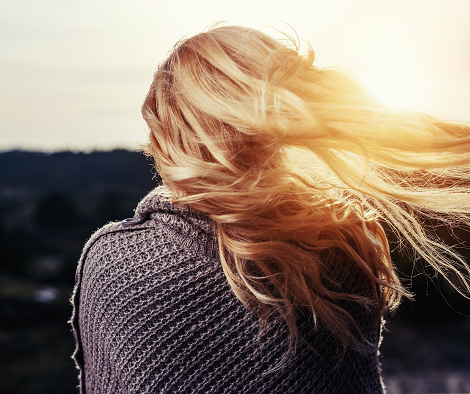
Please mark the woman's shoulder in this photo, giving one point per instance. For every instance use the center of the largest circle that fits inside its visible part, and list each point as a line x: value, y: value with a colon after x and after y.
x: 155, y: 220
x: 145, y: 256
x: 135, y: 279
x: 159, y: 236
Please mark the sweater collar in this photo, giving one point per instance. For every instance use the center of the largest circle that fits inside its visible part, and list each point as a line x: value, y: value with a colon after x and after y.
x: 157, y: 205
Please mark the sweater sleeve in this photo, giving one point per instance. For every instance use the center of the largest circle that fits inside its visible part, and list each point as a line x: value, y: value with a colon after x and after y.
x: 75, y: 300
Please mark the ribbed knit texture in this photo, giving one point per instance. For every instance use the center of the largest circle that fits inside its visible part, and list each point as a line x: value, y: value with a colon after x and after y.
x: 153, y: 313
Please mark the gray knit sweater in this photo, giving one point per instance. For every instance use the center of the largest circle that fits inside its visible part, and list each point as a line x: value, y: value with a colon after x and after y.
x: 153, y: 313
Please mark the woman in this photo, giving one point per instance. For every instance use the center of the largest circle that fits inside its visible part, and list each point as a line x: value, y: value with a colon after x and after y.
x: 262, y: 265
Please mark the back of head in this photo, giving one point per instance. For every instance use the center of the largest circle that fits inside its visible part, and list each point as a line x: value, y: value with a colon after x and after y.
x: 207, y: 106
x: 290, y: 160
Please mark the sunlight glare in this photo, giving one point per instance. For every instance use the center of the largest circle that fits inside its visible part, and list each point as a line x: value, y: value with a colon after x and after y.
x: 394, y: 79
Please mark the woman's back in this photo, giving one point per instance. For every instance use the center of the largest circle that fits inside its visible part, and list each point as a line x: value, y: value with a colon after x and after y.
x: 155, y: 314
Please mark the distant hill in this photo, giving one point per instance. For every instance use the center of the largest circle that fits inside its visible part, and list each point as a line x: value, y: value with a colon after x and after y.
x: 69, y: 172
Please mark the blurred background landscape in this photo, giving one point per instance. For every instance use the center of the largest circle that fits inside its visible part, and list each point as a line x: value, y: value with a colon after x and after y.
x: 49, y: 206
x: 51, y: 203
x: 72, y: 78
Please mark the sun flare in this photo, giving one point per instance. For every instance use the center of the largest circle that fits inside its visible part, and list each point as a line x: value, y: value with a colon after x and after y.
x: 394, y: 78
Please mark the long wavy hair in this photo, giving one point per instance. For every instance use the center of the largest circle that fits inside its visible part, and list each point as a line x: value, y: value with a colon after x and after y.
x: 297, y: 166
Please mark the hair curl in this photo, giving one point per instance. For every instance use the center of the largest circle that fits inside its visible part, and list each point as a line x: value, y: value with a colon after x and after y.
x: 292, y: 161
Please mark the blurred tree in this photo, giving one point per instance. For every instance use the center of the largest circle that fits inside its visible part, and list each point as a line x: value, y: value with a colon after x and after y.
x: 12, y: 252
x: 111, y: 208
x: 435, y: 301
x: 55, y: 210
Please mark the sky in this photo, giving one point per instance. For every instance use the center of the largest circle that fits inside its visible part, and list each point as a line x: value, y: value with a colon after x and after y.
x: 73, y: 74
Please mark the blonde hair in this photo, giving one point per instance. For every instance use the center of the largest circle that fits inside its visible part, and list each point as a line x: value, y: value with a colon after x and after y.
x: 300, y: 169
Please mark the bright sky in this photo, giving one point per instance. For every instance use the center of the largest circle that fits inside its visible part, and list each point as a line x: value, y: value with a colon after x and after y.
x: 73, y: 74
